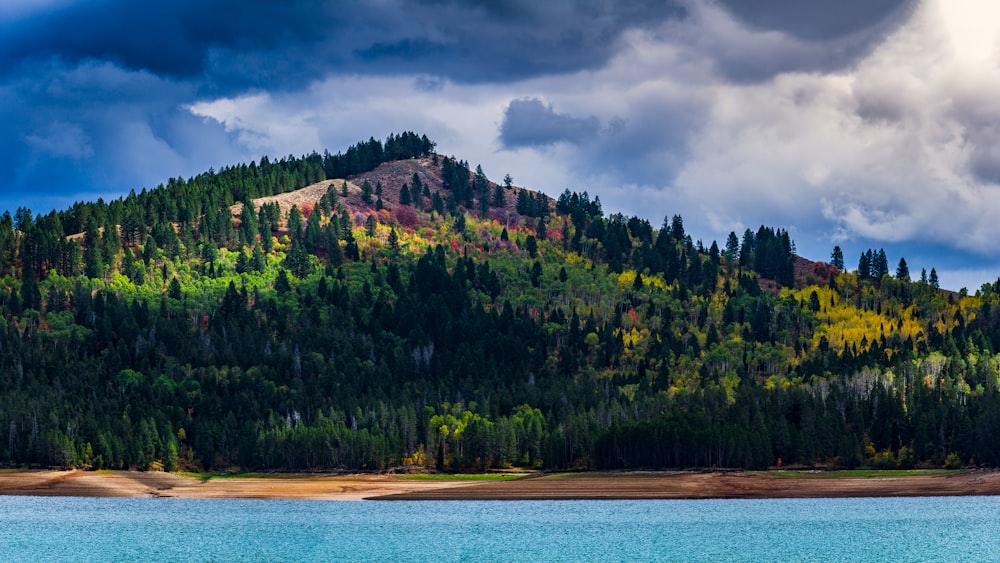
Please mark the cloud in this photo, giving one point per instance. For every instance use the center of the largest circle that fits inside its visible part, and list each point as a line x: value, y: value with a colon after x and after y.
x: 58, y: 139
x: 789, y: 35
x: 818, y: 21
x: 530, y: 122
x: 97, y: 129
x: 230, y: 45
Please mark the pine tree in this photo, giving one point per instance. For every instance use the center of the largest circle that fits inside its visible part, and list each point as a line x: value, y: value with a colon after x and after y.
x: 366, y: 193
x: 536, y: 274
x: 248, y: 225
x: 933, y: 279
x: 531, y: 245
x: 297, y: 260
x: 880, y: 265
x: 333, y: 251
x: 902, y: 270
x: 498, y: 197
x: 865, y: 265
x: 404, y: 195
x: 346, y: 224
x: 393, y: 240
x: 416, y: 191
x: 257, y: 261
x: 281, y: 283
x: 313, y: 236
x: 93, y: 266
x: 837, y: 258
x: 351, y: 250
x: 295, y: 223
x: 174, y: 289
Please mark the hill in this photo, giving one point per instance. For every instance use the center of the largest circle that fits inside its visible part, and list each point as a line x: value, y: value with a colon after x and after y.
x: 388, y: 306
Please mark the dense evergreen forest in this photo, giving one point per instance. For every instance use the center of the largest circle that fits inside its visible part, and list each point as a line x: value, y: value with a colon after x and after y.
x: 414, y: 312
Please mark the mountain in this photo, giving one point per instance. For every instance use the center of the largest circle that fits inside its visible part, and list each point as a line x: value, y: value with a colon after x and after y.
x: 388, y: 306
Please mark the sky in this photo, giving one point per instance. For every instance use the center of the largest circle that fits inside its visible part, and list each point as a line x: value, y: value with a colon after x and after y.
x: 858, y: 123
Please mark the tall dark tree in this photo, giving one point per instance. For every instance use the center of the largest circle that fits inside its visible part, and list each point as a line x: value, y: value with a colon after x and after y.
x: 295, y: 223
x: 248, y: 225
x: 837, y: 259
x: 297, y: 260
x: 93, y: 263
x: 732, y: 247
x: 393, y: 240
x: 865, y: 265
x: 902, y: 270
x: 416, y: 189
x: 880, y: 265
x: 366, y: 193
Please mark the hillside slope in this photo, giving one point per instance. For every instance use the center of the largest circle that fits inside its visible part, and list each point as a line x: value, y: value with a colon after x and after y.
x: 473, y: 327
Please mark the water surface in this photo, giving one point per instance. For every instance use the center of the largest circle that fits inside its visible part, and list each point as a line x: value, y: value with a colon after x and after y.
x: 884, y: 529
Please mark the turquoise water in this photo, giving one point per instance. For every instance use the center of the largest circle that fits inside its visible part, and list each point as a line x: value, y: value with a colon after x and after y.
x: 914, y: 529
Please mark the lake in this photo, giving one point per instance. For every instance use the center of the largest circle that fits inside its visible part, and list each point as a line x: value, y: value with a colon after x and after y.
x: 885, y: 529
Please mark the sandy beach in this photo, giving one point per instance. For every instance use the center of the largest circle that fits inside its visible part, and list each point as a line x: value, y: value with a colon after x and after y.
x: 640, y: 485
x: 139, y: 484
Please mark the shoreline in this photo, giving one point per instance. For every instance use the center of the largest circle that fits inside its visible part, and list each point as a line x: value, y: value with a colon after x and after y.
x: 560, y: 486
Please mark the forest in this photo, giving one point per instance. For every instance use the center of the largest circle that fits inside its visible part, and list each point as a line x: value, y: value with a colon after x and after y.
x: 388, y: 307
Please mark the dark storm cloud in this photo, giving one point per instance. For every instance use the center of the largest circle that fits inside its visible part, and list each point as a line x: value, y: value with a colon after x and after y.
x: 811, y: 36
x: 73, y: 133
x: 530, y: 122
x: 817, y: 21
x: 170, y: 39
x: 233, y: 45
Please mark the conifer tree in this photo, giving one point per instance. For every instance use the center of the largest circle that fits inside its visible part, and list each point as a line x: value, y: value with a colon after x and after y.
x: 902, y: 270
x: 174, y: 289
x: 248, y: 225
x: 393, y: 240
x: 295, y: 223
x: 416, y: 190
x: 257, y: 261
x: 865, y: 265
x: 498, y: 197
x: 531, y: 245
x: 366, y: 193
x: 93, y: 266
x: 404, y: 195
x: 837, y: 258
x: 351, y: 250
x: 880, y: 265
x: 334, y: 253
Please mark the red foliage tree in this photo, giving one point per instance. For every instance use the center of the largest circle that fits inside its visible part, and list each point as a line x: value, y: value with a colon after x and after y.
x: 406, y: 216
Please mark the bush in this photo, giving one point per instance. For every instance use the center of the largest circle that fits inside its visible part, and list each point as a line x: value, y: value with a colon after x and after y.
x: 406, y: 216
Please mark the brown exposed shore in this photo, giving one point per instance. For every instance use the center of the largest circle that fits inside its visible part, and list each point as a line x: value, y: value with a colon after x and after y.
x: 653, y: 485
x: 715, y: 485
